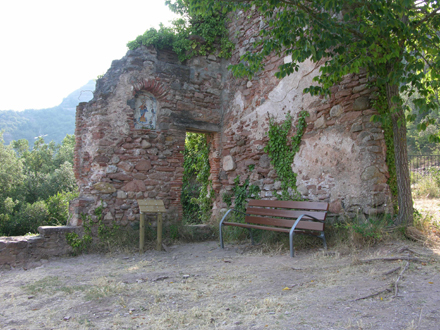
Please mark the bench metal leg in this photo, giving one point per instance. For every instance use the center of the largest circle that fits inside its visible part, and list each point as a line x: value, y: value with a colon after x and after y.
x: 322, y: 236
x: 292, y: 250
x: 252, y: 237
x: 222, y: 245
x: 291, y: 233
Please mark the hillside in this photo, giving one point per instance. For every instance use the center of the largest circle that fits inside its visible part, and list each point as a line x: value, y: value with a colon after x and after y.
x: 52, y: 123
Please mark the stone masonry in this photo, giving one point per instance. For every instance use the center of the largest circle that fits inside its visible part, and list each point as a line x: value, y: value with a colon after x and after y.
x: 341, y: 158
x: 27, y: 251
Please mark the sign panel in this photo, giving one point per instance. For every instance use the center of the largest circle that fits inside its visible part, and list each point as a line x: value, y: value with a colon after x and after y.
x: 151, y: 206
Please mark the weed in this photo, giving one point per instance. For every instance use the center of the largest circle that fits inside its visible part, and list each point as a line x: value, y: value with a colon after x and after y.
x: 360, y: 231
x: 108, y: 237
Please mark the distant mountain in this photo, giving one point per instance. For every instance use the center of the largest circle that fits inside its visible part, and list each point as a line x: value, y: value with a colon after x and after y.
x: 52, y: 123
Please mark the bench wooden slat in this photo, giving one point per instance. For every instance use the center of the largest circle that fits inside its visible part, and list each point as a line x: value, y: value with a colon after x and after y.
x: 284, y: 213
x: 317, y: 206
x: 245, y: 225
x: 283, y: 230
x: 309, y: 225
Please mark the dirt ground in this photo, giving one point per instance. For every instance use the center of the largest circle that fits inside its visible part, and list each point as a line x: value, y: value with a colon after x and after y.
x: 200, y: 286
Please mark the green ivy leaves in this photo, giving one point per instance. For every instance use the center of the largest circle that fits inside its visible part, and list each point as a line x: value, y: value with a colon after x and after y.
x: 282, y: 153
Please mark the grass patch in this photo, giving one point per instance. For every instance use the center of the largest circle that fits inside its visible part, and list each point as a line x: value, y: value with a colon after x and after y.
x: 51, y: 284
x: 46, y: 284
x: 104, y: 287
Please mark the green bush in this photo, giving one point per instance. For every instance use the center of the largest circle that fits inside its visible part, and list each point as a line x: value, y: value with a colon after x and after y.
x: 192, y: 35
x: 28, y: 219
x: 58, y: 207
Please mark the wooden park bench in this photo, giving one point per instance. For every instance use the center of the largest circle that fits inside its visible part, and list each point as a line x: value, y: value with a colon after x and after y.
x: 282, y: 216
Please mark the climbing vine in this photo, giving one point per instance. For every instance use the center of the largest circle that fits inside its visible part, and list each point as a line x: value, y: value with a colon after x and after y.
x: 241, y: 193
x: 381, y: 105
x: 191, y: 35
x: 106, y: 234
x: 282, y: 153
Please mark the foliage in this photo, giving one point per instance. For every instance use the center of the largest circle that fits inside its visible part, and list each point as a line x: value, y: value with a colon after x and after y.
x: 11, y: 174
x: 197, y: 192
x: 81, y: 244
x: 244, y: 192
x: 191, y: 35
x: 58, y: 207
x: 26, y: 220
x: 162, y: 38
x: 381, y: 105
x: 361, y: 231
x: 282, y: 153
x: 35, y: 185
x: 241, y: 193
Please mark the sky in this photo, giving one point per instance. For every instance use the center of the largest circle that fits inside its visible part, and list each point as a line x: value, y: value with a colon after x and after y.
x: 48, y: 49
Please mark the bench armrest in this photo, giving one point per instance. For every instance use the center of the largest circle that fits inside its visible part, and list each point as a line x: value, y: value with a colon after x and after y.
x: 226, y: 214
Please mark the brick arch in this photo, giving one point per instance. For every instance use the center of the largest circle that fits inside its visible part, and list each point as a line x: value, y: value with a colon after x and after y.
x: 153, y: 86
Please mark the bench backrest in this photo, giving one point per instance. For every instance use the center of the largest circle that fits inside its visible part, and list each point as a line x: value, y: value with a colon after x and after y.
x: 284, y: 213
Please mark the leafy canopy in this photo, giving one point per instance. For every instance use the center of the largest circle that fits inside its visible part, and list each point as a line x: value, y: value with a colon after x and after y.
x: 395, y: 41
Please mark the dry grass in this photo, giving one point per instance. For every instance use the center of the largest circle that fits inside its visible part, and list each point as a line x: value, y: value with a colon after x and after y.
x: 427, y: 222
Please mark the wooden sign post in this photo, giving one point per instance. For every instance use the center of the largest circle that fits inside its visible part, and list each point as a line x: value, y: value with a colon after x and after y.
x: 150, y: 206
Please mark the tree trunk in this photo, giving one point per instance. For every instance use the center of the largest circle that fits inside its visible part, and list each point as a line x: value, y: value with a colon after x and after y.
x: 404, y: 198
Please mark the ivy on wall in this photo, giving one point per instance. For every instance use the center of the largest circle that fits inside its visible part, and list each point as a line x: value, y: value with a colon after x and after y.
x: 381, y: 105
x: 241, y: 194
x: 282, y: 152
x: 191, y: 35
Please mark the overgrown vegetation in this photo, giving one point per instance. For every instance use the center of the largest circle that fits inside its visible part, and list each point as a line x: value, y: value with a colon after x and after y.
x: 197, y: 193
x: 380, y: 104
x: 282, y: 153
x: 241, y: 193
x: 426, y: 186
x: 35, y: 185
x: 419, y: 133
x: 107, y: 235
x: 191, y: 35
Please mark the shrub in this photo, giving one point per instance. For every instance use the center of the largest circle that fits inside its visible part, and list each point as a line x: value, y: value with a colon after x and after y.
x: 29, y: 218
x: 58, y: 207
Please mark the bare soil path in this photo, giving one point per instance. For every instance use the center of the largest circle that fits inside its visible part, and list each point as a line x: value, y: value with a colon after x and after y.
x: 199, y: 286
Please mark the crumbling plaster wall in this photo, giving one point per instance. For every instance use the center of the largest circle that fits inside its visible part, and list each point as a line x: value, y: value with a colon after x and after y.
x: 342, y: 154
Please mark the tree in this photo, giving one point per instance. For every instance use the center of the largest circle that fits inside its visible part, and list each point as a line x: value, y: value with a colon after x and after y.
x: 65, y: 151
x: 10, y: 172
x: 396, y: 41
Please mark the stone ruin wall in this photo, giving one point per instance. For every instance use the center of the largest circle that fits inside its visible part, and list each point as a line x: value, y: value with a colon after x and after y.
x: 115, y: 162
x: 341, y: 159
x: 342, y: 154
x: 31, y: 251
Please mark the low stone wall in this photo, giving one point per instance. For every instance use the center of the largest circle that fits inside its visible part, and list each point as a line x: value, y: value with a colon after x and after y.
x: 23, y: 251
